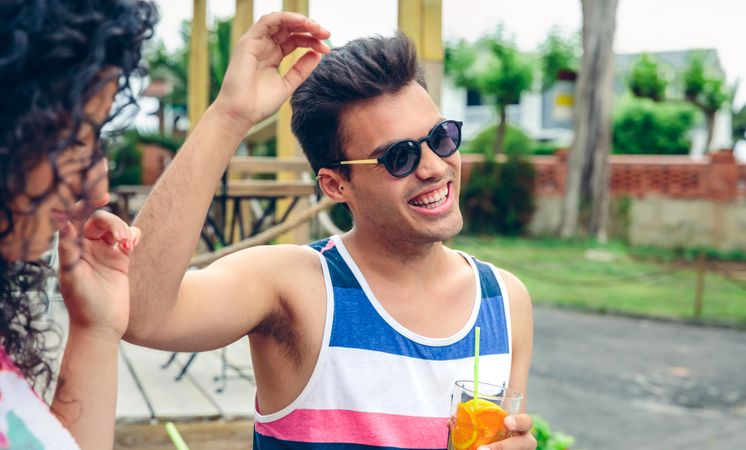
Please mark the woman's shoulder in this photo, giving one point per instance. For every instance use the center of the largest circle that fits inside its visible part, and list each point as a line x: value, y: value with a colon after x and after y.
x: 25, y: 419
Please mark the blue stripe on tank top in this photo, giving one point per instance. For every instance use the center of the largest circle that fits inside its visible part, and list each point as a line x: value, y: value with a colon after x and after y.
x: 271, y: 443
x: 358, y: 325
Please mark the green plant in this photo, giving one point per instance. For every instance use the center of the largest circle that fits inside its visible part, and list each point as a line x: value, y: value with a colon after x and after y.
x: 548, y: 440
x: 544, y: 148
x: 739, y: 123
x: 173, y: 66
x: 124, y: 160
x: 494, y: 67
x: 168, y: 142
x: 341, y: 216
x: 701, y: 87
x: 125, y: 155
x: 646, y: 79
x: 558, y: 54
x: 516, y: 142
x: 499, y: 197
x: 642, y: 126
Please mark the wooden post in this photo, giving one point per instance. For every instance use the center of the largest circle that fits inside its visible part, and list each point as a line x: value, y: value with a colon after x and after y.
x: 422, y: 21
x: 287, y: 145
x: 698, y: 298
x: 242, y: 21
x: 198, y: 88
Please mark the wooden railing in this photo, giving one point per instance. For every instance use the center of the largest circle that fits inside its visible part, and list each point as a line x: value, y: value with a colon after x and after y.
x: 245, y: 204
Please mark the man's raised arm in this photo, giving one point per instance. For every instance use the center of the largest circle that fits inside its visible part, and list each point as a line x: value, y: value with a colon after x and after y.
x: 203, y: 310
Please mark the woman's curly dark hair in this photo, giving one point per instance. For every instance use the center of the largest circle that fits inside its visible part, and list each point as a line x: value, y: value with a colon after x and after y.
x: 53, y: 54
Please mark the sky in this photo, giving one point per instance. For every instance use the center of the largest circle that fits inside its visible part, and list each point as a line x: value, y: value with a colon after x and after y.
x: 642, y: 25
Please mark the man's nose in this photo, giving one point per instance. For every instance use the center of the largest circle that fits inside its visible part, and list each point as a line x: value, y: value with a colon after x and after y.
x: 431, y: 165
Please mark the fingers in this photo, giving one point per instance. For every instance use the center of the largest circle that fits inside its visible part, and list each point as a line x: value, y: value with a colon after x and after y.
x: 272, y: 24
x: 301, y: 70
x: 135, y: 234
x: 525, y: 441
x: 109, y: 228
x: 69, y: 247
x: 521, y: 423
x: 522, y: 439
x: 295, y: 41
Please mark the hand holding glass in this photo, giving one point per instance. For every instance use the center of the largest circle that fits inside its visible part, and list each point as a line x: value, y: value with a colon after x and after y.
x: 480, y: 422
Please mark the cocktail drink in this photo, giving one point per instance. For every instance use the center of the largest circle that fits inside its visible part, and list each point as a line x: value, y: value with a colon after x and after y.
x: 479, y: 421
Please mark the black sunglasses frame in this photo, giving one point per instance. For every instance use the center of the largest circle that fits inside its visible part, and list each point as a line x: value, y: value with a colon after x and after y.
x: 387, y: 158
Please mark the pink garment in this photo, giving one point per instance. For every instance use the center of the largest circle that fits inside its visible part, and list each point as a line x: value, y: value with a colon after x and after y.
x: 25, y: 420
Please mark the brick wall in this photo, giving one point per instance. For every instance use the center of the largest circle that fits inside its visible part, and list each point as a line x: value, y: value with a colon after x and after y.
x: 716, y: 177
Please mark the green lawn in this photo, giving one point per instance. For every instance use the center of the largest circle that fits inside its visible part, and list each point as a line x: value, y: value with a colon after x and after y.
x: 609, y: 278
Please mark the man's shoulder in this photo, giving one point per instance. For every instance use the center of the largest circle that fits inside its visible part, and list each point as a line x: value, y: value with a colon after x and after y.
x: 511, y: 281
x: 518, y: 295
x: 276, y: 257
x: 517, y: 292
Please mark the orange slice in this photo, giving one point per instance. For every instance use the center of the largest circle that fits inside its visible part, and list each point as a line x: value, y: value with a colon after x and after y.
x: 464, y: 430
x: 489, y: 422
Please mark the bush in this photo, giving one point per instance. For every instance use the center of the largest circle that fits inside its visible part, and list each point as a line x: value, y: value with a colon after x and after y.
x: 499, y: 197
x: 124, y: 157
x: 642, y: 126
x: 545, y: 148
x: 546, y: 440
x: 516, y: 142
x: 162, y: 140
x: 341, y: 216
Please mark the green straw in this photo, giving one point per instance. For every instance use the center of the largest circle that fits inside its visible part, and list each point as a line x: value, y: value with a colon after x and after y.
x: 476, y: 364
x: 173, y: 433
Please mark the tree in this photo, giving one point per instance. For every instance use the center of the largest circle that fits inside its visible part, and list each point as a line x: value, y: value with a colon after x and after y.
x: 496, y: 69
x: 704, y: 90
x: 174, y: 66
x: 739, y: 123
x: 647, y: 80
x: 558, y: 54
x: 588, y: 167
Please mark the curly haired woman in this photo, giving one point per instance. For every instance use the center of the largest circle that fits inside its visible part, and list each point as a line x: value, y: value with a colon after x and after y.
x: 62, y: 63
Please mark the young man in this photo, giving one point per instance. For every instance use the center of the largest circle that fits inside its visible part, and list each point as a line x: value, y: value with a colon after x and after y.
x: 358, y: 339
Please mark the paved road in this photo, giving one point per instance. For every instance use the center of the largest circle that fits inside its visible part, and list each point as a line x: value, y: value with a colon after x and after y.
x: 623, y: 383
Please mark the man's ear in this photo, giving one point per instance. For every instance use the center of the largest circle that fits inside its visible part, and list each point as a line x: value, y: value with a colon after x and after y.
x: 333, y: 184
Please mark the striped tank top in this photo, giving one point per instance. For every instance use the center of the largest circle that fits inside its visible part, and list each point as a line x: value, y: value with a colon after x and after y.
x: 377, y: 384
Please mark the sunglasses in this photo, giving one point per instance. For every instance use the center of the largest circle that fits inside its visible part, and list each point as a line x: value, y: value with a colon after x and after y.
x: 402, y: 157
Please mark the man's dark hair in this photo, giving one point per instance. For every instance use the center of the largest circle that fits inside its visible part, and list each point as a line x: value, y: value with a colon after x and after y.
x: 360, y: 70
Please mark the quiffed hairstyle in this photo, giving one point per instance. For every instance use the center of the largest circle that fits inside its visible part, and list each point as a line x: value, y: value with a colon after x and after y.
x: 360, y: 70
x: 55, y: 55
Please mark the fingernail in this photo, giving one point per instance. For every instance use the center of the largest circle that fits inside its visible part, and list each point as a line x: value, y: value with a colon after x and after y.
x: 483, y: 447
x: 510, y: 422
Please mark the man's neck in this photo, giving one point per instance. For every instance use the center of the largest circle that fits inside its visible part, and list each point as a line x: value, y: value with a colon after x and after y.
x: 384, y: 255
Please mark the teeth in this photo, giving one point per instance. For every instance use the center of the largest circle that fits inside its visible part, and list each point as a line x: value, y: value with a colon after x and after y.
x: 432, y: 200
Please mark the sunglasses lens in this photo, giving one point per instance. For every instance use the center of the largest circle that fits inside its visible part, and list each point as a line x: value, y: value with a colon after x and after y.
x: 445, y: 138
x: 402, y: 158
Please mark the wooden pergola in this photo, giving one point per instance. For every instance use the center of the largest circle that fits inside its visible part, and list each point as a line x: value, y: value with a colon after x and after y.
x: 420, y: 19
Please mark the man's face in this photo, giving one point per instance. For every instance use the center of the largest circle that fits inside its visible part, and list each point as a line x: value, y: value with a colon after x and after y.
x: 419, y: 208
x: 80, y: 176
